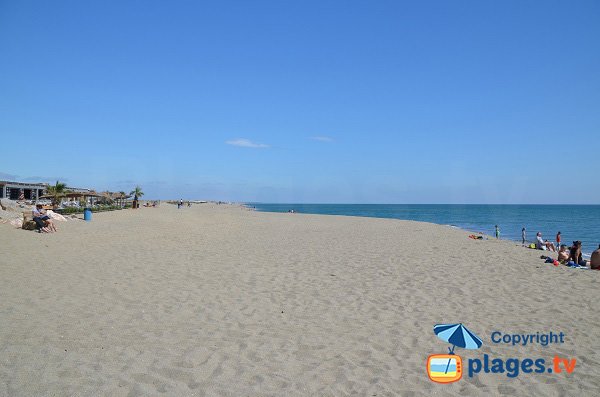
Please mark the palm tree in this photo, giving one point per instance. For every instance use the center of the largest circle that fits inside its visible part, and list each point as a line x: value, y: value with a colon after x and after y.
x: 136, y: 193
x: 122, y: 198
x: 57, y: 192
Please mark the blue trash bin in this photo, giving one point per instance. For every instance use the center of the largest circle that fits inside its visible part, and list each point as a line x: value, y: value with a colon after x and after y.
x: 87, y: 214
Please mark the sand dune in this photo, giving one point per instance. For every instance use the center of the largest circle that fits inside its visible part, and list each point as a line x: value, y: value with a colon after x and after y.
x: 221, y: 301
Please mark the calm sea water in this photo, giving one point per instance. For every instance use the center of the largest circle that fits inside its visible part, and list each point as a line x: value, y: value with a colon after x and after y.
x: 575, y: 222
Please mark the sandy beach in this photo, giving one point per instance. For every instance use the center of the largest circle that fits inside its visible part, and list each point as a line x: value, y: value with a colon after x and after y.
x: 222, y: 301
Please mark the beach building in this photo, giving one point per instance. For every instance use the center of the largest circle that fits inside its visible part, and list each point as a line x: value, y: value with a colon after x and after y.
x: 30, y: 191
x: 81, y: 190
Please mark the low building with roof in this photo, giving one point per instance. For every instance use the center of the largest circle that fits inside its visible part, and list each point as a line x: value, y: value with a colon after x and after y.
x: 27, y: 190
x: 80, y: 190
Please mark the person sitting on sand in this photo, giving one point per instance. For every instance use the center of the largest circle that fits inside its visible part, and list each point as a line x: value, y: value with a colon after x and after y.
x: 563, y: 254
x: 595, y: 259
x: 575, y: 257
x: 540, y: 244
x: 43, y: 220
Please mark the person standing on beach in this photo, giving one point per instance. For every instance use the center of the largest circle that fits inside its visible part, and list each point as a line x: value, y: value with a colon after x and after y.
x: 523, y: 236
x: 558, y: 236
x: 497, y: 232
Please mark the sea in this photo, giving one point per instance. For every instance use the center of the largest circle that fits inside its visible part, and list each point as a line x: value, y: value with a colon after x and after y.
x: 575, y: 222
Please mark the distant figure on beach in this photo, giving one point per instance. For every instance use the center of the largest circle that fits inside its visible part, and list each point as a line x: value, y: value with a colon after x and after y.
x: 575, y: 256
x: 595, y: 259
x: 180, y: 204
x: 497, y: 232
x: 540, y: 244
x: 189, y: 204
x: 558, y: 237
x: 523, y: 236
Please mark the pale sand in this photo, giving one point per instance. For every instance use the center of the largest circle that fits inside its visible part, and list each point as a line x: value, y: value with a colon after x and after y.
x: 221, y: 301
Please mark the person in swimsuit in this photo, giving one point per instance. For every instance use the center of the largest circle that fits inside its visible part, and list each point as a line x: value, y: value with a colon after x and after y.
x: 563, y: 254
x: 523, y: 236
x: 575, y: 257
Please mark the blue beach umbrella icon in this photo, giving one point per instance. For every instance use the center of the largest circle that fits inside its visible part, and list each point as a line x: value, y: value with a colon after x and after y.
x: 457, y: 335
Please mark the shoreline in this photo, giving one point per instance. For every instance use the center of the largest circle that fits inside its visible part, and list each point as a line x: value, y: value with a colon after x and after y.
x: 586, y: 255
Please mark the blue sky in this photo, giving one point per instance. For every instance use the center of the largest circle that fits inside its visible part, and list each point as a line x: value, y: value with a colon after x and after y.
x: 324, y: 101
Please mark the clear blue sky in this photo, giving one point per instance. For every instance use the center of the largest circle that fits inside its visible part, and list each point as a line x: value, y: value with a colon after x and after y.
x: 305, y: 101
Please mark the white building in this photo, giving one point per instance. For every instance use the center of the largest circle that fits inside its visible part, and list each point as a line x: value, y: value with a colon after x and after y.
x: 29, y: 191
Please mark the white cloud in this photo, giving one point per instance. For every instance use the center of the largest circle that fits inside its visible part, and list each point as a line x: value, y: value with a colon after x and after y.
x: 242, y: 142
x: 321, y: 138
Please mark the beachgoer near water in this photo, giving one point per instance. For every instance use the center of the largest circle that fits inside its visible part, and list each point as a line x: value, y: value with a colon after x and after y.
x: 563, y: 254
x: 523, y: 236
x: 575, y: 256
x: 595, y: 259
x: 558, y: 236
x: 497, y: 232
x: 539, y: 244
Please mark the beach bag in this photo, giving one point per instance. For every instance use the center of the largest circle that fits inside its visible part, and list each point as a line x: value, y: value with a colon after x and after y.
x: 532, y: 246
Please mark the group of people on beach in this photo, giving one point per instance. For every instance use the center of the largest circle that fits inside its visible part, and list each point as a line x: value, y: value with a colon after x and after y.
x: 573, y: 257
x: 570, y: 256
x: 180, y: 204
